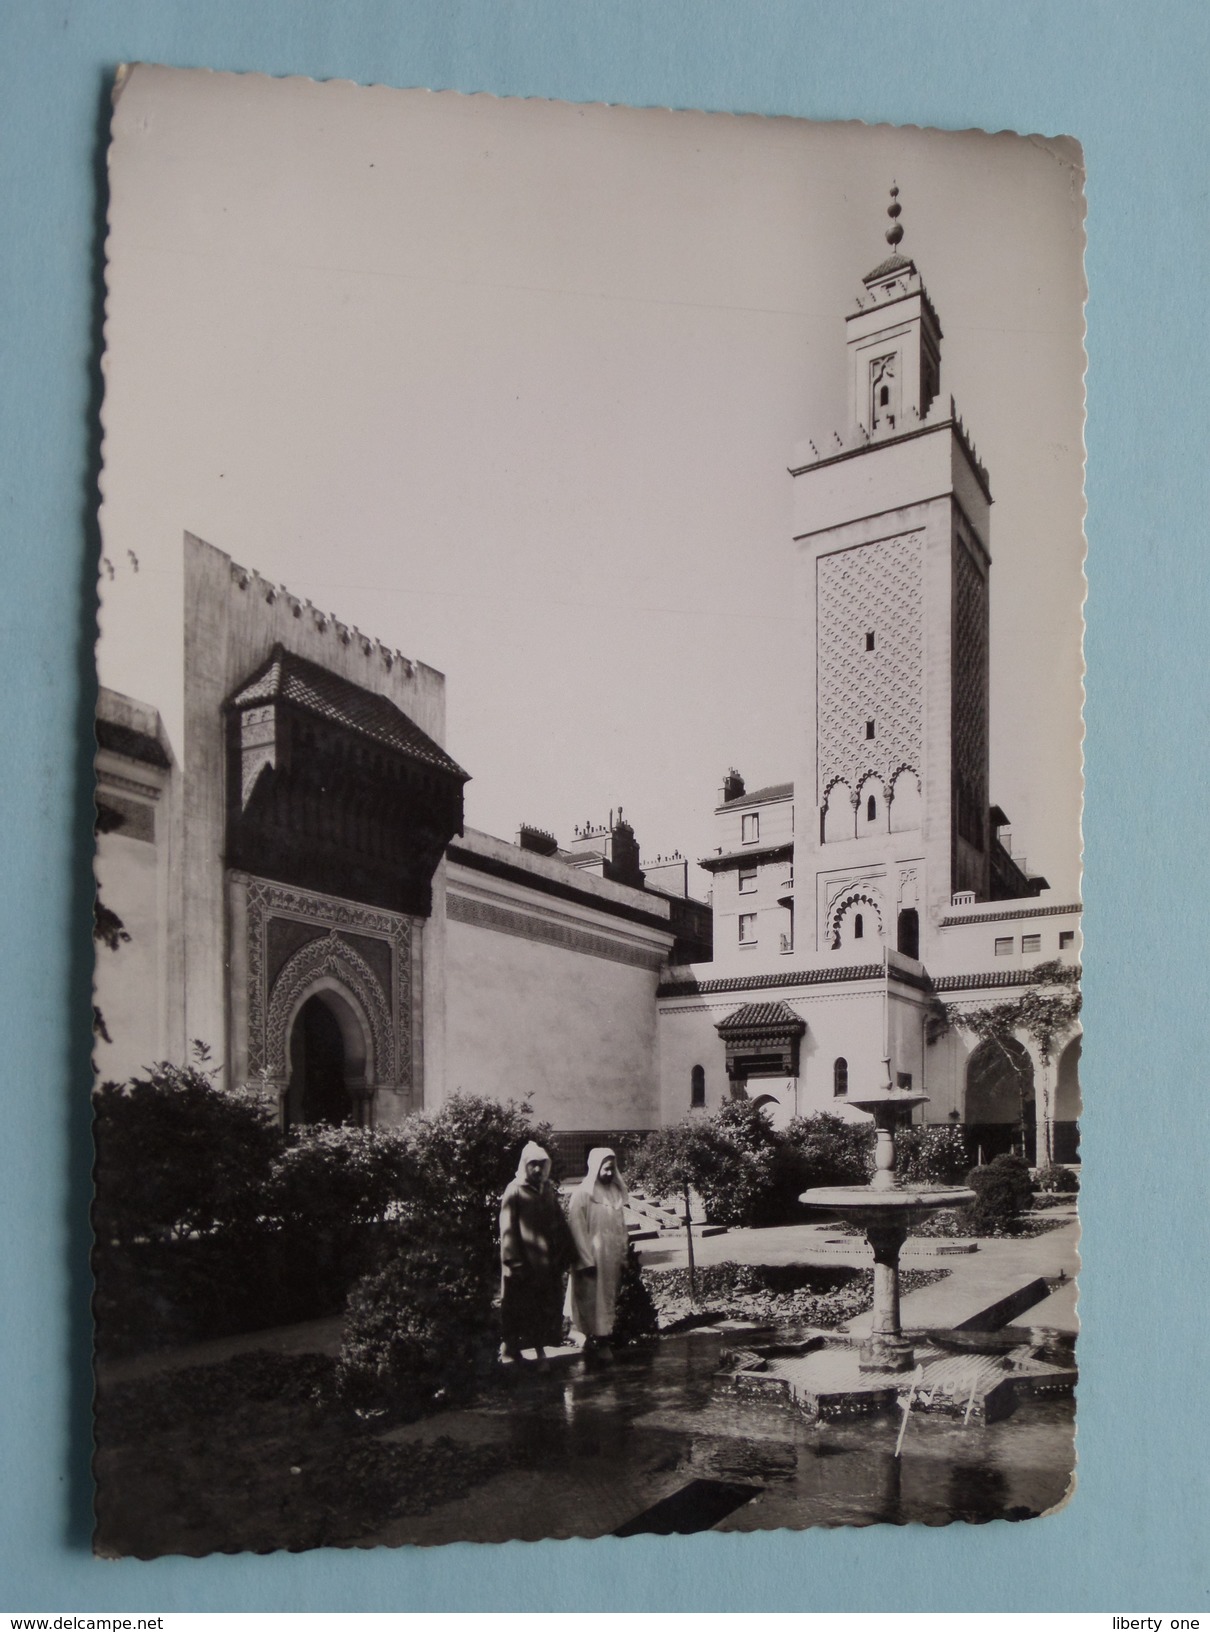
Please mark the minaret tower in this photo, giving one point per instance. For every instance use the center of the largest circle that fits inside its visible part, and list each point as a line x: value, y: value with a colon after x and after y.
x: 891, y: 515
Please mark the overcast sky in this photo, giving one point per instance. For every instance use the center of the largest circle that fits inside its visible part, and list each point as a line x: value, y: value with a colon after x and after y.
x: 513, y: 386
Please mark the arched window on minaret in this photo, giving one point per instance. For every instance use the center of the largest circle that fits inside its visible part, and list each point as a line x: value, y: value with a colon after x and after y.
x: 837, y: 816
x: 858, y: 926
x: 840, y: 1078
x: 871, y: 809
x: 904, y: 800
x: 884, y: 393
x: 894, y: 343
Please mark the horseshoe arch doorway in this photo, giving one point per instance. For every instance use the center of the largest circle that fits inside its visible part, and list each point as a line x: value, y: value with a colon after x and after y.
x: 329, y: 1062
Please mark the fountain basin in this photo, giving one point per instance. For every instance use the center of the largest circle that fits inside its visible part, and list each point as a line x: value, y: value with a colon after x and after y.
x: 862, y: 1204
x: 823, y: 1378
x: 885, y: 1210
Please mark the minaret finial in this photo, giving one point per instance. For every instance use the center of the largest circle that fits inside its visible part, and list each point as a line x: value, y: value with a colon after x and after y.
x: 894, y: 233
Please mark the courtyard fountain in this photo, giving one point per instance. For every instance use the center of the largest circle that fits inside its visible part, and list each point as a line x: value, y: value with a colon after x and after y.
x: 885, y: 1210
x: 972, y: 1372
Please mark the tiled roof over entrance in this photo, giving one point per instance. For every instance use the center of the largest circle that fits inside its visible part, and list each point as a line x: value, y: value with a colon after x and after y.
x: 762, y: 1017
x: 761, y: 1038
x: 318, y: 691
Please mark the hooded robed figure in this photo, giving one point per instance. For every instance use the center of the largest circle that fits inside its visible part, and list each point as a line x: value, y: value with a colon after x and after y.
x: 535, y: 1250
x: 597, y: 1218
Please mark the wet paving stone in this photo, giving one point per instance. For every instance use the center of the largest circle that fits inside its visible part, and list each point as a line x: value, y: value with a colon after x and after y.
x: 600, y: 1453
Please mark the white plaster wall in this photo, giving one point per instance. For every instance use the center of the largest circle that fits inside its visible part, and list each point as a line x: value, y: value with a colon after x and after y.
x: 687, y: 1038
x: 574, y: 1033
x: 843, y: 1021
x: 883, y: 477
x: 970, y: 948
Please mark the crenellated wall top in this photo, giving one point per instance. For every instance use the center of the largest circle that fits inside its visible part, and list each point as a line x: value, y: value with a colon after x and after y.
x: 825, y: 446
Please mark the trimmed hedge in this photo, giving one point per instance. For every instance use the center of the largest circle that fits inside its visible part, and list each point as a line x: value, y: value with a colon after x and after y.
x: 1057, y: 1180
x: 418, y: 1331
x: 1003, y: 1190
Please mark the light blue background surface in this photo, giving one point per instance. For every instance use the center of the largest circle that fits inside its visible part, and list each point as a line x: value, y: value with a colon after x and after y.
x: 1129, y: 81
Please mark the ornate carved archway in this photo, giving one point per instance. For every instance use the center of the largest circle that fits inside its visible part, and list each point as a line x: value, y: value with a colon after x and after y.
x: 328, y: 959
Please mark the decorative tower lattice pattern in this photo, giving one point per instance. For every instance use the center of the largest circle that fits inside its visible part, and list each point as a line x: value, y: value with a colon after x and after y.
x: 970, y: 697
x: 873, y: 590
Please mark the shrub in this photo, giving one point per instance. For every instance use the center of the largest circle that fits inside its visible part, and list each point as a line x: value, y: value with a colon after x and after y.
x: 931, y: 1155
x: 210, y: 1221
x: 330, y: 1178
x: 751, y: 1193
x: 1057, y: 1180
x: 337, y: 1195
x: 1003, y: 1189
x: 830, y: 1150
x: 418, y: 1331
x: 182, y: 1241
x: 702, y: 1154
x: 178, y: 1156
x: 636, y: 1318
x: 463, y: 1157
x: 745, y: 1171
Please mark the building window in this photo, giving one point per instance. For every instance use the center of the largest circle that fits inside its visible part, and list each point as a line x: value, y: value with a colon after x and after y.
x: 1031, y: 943
x: 883, y: 392
x: 697, y: 1087
x: 858, y: 926
x: 747, y: 880
x: 840, y: 1078
x: 869, y: 730
x: 1004, y: 946
x: 871, y: 809
x: 747, y: 929
x: 903, y: 1079
x: 750, y: 827
x: 909, y: 932
x: 1067, y: 937
x: 869, y: 640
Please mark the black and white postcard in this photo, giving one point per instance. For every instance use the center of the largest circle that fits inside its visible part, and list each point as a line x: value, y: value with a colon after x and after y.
x: 588, y: 811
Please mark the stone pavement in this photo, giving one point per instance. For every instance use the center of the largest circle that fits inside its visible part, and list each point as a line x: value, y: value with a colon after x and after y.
x: 308, y: 1337
x: 595, y: 1451
x: 989, y: 1283
x: 998, y: 1273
